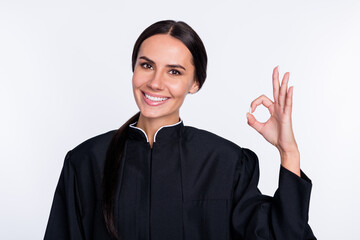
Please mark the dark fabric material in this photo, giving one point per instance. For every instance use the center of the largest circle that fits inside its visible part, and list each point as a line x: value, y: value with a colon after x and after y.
x: 191, y: 185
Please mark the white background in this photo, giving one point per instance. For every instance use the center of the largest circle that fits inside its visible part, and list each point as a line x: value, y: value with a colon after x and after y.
x: 65, y: 72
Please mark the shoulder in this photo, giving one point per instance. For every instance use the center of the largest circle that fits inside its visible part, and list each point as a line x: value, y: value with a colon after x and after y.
x: 91, y: 150
x: 205, y: 139
x: 204, y: 146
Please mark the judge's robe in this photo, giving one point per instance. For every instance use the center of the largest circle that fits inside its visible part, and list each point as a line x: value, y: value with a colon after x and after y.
x: 192, y: 184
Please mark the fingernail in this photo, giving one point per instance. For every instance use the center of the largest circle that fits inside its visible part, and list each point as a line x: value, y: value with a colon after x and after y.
x: 250, y: 110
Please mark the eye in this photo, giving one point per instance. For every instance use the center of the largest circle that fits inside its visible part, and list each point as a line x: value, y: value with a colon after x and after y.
x: 174, y: 72
x: 146, y: 65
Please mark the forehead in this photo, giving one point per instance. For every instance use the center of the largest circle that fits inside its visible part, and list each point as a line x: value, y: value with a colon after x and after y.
x: 163, y: 48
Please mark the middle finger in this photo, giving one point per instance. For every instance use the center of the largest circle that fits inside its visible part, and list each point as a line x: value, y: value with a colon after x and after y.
x: 283, y: 89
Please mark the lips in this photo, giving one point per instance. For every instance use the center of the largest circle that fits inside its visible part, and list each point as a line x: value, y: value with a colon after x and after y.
x: 154, y: 100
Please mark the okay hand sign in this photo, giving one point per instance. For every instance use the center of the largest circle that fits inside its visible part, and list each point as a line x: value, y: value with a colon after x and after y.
x: 278, y: 128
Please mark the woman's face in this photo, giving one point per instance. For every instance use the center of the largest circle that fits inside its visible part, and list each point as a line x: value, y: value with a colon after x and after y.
x: 163, y: 76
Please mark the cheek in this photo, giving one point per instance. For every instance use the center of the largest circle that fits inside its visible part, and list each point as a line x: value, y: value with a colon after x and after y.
x: 179, y: 89
x: 138, y: 79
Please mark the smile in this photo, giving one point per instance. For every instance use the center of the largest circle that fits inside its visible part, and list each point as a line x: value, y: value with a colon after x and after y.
x: 154, y: 100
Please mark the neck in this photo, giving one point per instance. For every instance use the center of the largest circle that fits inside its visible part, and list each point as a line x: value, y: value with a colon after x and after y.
x: 151, y: 125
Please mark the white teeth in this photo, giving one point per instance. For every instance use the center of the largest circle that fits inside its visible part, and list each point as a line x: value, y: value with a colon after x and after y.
x: 155, y: 99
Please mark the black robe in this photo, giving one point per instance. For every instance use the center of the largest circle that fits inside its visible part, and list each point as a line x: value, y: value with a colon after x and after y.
x: 192, y: 184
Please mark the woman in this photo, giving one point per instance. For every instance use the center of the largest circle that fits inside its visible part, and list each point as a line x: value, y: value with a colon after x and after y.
x: 155, y: 178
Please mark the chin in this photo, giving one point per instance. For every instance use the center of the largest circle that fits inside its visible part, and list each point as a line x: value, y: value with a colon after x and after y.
x: 167, y: 111
x: 157, y: 114
x: 148, y: 114
x: 152, y: 113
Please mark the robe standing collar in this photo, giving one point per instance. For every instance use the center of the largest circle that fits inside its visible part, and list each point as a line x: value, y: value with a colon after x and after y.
x: 163, y: 134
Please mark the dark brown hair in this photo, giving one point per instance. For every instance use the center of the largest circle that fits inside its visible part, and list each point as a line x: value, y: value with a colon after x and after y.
x: 192, y: 41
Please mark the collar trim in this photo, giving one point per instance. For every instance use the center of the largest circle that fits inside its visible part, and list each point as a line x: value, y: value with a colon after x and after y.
x: 132, y: 125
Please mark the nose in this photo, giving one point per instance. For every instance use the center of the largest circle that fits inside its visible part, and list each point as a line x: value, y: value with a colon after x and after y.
x: 156, y: 82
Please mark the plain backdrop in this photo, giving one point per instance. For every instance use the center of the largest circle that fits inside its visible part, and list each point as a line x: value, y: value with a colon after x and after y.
x: 65, y: 72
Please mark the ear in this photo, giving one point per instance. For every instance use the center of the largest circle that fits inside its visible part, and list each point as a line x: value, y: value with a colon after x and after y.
x: 194, y: 88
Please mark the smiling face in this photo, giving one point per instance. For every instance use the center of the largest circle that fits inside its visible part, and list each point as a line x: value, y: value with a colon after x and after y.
x: 163, y: 75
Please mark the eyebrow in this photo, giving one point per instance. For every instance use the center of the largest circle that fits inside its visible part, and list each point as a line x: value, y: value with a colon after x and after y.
x: 168, y: 65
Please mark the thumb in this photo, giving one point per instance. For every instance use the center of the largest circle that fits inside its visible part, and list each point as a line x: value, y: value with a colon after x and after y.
x: 253, y: 122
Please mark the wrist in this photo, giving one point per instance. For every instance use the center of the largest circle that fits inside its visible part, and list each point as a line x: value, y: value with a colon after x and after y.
x: 291, y: 161
x: 295, y: 153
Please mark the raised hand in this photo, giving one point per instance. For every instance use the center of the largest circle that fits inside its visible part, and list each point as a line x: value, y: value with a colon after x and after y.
x: 278, y: 128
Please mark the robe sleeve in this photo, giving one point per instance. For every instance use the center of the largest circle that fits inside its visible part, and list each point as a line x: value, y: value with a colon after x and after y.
x: 65, y: 215
x: 282, y: 217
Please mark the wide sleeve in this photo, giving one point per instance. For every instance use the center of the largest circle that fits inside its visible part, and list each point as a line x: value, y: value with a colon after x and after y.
x: 282, y: 217
x: 65, y: 215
